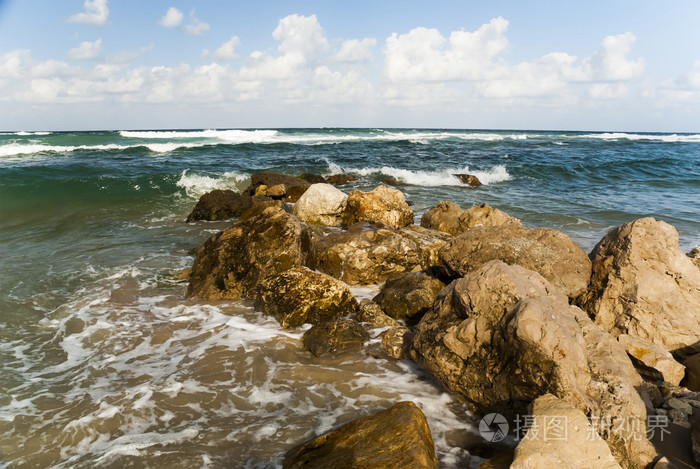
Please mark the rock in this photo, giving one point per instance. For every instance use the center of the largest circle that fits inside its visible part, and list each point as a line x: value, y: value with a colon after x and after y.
x: 396, y: 342
x: 428, y: 241
x: 652, y: 361
x: 408, y: 295
x: 450, y: 218
x: 398, y: 437
x: 321, y: 204
x: 340, y: 179
x: 468, y: 179
x: 183, y: 275
x: 371, y: 313
x: 679, y: 418
x: 220, y: 205
x: 499, y: 461
x: 299, y: 295
x: 678, y: 404
x: 692, y: 372
x: 644, y: 286
x: 270, y: 179
x: 503, y: 335
x: 312, y: 178
x: 382, y: 206
x: 389, y: 181
x: 561, y: 436
x: 695, y: 439
x: 334, y: 337
x: 265, y: 241
x: 664, y: 463
x: 694, y: 255
x: 550, y: 253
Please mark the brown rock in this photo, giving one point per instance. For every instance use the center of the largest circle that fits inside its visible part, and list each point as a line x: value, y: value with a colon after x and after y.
x: 550, y: 253
x: 335, y: 337
x: 644, y: 286
x: 265, y: 241
x: 340, y: 179
x: 389, y: 181
x: 450, y: 218
x: 312, y: 178
x: 428, y: 241
x: 396, y: 342
x: 299, y: 295
x: 220, y: 205
x: 408, y: 295
x: 270, y: 179
x: 398, y: 437
x: 484, y: 215
x: 371, y: 313
x: 468, y: 179
x: 652, y: 361
x: 382, y: 206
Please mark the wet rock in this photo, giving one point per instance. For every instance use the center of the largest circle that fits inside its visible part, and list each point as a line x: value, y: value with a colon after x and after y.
x: 503, y: 335
x: 550, y: 253
x: 561, y: 436
x: 312, y: 178
x: 408, y: 295
x: 183, y: 275
x: 468, y: 179
x: 644, y: 286
x: 276, y: 192
x: 396, y: 342
x: 692, y: 372
x: 652, y: 361
x: 265, y: 241
x: 397, y: 437
x: 382, y: 205
x: 270, y: 179
x: 334, y: 337
x: 389, y: 181
x: 220, y: 205
x: 321, y: 204
x: 371, y: 313
x: 299, y: 295
x: 340, y: 179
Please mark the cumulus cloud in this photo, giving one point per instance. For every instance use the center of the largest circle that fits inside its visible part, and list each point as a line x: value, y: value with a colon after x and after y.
x: 196, y: 26
x: 355, y: 50
x: 610, y: 62
x: 96, y: 12
x: 173, y: 18
x: 87, y: 50
x: 227, y: 49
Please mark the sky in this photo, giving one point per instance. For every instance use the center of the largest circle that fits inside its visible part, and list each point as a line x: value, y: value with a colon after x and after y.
x: 615, y: 65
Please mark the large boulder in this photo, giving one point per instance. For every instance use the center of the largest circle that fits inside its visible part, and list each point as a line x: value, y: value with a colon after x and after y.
x: 299, y: 295
x: 551, y: 253
x: 428, y: 241
x: 450, y: 218
x: 398, y: 437
x: 340, y: 179
x: 220, y: 205
x: 266, y: 240
x: 271, y: 179
x: 560, y: 436
x: 503, y: 335
x: 407, y: 295
x: 335, y: 337
x: 643, y: 285
x: 321, y: 204
x: 382, y: 205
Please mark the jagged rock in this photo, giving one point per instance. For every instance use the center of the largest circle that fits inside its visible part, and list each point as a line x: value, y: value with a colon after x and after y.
x: 398, y: 437
x: 560, y: 436
x: 428, y: 241
x: 643, y: 285
x: 503, y: 335
x: 407, y: 295
x: 220, y: 205
x: 396, y: 342
x: 468, y: 179
x: 692, y: 372
x: 450, y: 218
x: 550, y: 253
x: 371, y: 313
x: 652, y: 361
x: 321, y: 204
x: 299, y: 295
x: 266, y: 240
x: 270, y: 179
x: 382, y: 206
x: 312, y: 178
x: 334, y: 337
x: 340, y: 179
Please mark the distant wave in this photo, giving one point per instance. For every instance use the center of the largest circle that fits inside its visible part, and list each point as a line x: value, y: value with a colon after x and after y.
x: 15, y: 149
x: 443, y: 177
x: 659, y: 137
x: 24, y: 134
x: 235, y: 136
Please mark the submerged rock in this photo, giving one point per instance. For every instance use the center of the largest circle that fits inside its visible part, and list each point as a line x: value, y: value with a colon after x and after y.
x: 220, y: 205
x: 551, y: 253
x: 389, y: 181
x: 382, y: 206
x: 340, y: 179
x: 299, y: 295
x: 321, y: 204
x: 652, y: 361
x: 407, y: 295
x: 398, y: 437
x: 334, y: 337
x: 265, y: 241
x: 468, y: 179
x: 643, y: 285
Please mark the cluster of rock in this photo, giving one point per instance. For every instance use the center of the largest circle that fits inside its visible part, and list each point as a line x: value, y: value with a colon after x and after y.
x: 510, y: 319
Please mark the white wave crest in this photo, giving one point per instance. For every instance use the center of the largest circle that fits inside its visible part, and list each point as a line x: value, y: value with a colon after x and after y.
x: 673, y: 138
x: 15, y: 149
x: 443, y: 177
x: 195, y: 185
x: 233, y: 136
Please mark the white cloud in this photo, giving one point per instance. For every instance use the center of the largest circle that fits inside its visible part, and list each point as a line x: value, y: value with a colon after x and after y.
x: 87, y: 50
x: 300, y: 35
x: 355, y: 50
x: 196, y: 26
x: 96, y: 12
x: 227, y: 49
x: 173, y: 18
x: 610, y: 62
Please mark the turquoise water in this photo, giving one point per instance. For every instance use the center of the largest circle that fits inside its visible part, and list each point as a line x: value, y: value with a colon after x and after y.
x: 102, y: 362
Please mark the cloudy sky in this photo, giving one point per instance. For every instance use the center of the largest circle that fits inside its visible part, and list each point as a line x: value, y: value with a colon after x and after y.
x: 127, y: 64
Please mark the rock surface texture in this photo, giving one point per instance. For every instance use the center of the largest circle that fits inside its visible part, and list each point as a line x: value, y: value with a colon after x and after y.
x: 398, y: 437
x: 550, y: 253
x: 450, y: 218
x: 220, y: 205
x: 334, y: 337
x: 321, y: 204
x: 408, y: 295
x: 503, y: 335
x: 382, y: 206
x: 643, y: 285
x: 300, y: 295
x: 652, y: 361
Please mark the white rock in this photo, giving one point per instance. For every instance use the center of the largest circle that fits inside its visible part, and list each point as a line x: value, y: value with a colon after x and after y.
x: 655, y: 358
x: 321, y: 204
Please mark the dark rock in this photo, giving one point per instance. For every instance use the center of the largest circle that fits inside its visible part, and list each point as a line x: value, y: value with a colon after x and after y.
x: 396, y: 342
x: 335, y: 337
x: 389, y: 181
x: 220, y: 205
x: 468, y: 179
x: 371, y: 313
x: 692, y: 372
x: 312, y: 178
x: 408, y: 295
x: 294, y: 193
x: 398, y: 437
x: 300, y: 295
x: 340, y: 179
x: 270, y: 179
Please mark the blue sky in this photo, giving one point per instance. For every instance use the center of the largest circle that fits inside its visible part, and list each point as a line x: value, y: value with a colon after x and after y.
x: 123, y: 64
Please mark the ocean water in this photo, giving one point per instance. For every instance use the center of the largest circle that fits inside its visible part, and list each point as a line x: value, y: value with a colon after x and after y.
x: 103, y: 363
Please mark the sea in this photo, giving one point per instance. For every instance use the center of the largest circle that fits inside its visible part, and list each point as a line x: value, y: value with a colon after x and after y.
x: 105, y: 364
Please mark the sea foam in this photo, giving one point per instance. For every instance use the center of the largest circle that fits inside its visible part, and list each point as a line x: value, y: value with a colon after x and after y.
x: 443, y: 177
